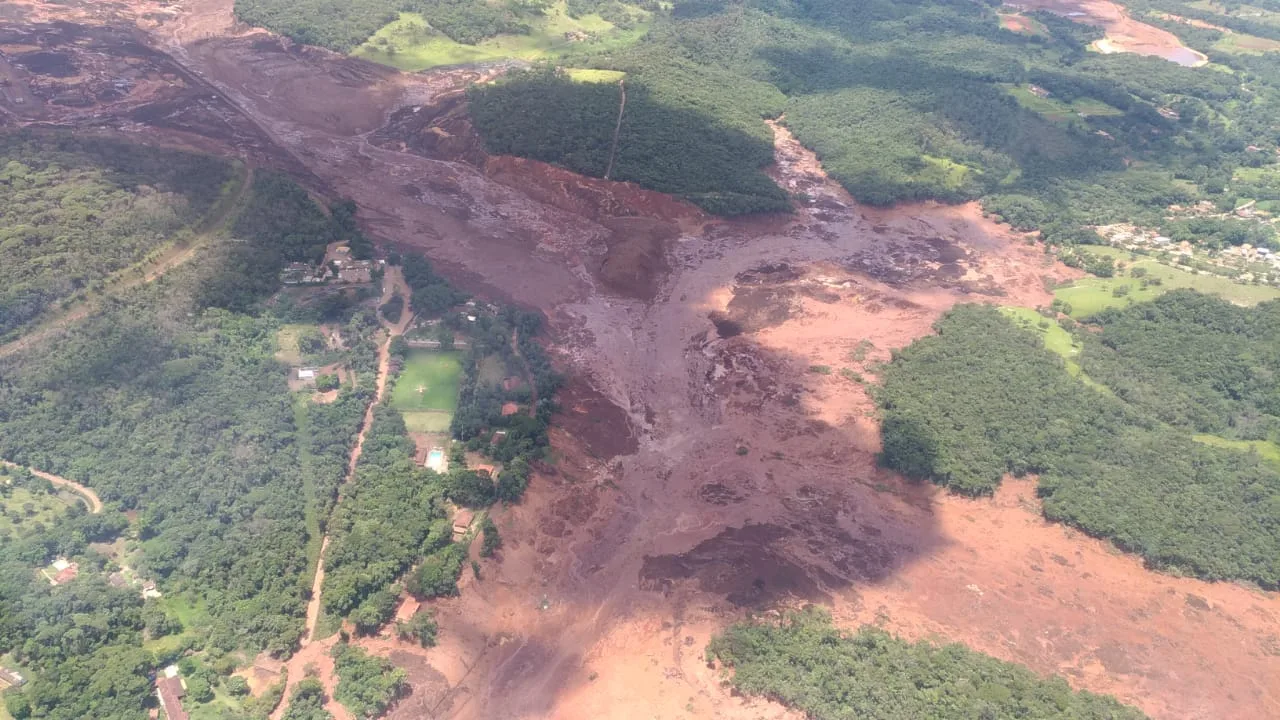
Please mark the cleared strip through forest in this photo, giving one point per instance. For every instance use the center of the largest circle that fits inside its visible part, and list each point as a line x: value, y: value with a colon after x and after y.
x: 617, y: 129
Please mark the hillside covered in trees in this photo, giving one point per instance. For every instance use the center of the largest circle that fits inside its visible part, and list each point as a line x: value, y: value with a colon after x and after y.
x: 74, y: 212
x: 170, y: 403
x: 908, y: 101
x: 983, y: 398
x: 805, y: 662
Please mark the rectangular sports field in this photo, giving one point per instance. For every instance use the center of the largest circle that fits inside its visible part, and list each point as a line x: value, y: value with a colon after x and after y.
x: 429, y: 381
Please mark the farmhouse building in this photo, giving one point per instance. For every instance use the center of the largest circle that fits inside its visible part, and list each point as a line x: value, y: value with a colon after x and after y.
x: 170, y: 690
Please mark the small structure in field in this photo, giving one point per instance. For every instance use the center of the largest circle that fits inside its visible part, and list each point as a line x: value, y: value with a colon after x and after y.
x: 498, y: 437
x: 11, y: 678
x: 510, y: 409
x: 63, y: 572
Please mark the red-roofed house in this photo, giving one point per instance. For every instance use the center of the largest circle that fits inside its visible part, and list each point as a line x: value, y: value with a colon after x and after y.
x: 170, y: 692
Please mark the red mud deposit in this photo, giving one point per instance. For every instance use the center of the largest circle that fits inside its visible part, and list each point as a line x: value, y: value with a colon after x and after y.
x: 1124, y: 34
x: 715, y: 453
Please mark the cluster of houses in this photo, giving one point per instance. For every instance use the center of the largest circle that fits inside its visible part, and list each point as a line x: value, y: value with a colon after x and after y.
x: 337, y: 266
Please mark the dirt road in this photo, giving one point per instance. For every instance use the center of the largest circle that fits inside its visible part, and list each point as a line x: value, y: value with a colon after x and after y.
x: 91, y: 499
x: 314, y: 651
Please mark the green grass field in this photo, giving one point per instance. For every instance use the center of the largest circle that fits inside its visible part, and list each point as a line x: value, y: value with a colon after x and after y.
x: 1267, y: 450
x: 1056, y: 339
x: 192, y: 614
x: 287, y: 343
x: 15, y: 521
x: 411, y: 44
x: 1057, y: 110
x: 586, y: 75
x: 427, y: 421
x: 429, y: 381
x: 1089, y: 295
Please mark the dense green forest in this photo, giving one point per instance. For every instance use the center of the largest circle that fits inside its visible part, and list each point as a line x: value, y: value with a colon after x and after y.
x: 983, y: 398
x: 905, y: 101
x: 805, y: 662
x: 343, y: 24
x: 366, y: 684
x: 72, y: 212
x: 174, y: 409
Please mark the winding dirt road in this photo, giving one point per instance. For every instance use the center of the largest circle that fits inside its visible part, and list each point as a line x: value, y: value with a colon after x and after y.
x: 91, y: 499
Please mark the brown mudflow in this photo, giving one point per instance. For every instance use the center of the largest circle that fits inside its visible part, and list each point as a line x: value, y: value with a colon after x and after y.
x: 705, y: 465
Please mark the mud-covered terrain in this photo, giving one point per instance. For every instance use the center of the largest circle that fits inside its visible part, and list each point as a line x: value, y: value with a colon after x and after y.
x: 715, y: 454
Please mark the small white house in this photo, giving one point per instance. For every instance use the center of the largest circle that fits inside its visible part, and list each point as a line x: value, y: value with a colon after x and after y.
x: 307, y: 374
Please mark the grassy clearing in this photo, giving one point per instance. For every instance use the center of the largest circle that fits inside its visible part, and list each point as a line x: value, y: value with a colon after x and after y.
x: 429, y: 381
x: 586, y: 75
x: 1090, y: 295
x: 1056, y: 339
x: 410, y: 43
x: 1058, y: 111
x: 1265, y: 449
x: 427, y: 421
x: 1049, y: 107
x: 492, y: 370
x: 1246, y: 44
x: 287, y: 343
x: 22, y: 509
x: 191, y: 612
x: 1096, y: 108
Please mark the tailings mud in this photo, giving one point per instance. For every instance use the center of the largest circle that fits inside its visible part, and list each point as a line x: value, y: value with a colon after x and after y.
x: 713, y: 458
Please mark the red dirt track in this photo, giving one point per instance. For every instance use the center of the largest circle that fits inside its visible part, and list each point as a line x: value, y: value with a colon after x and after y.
x: 701, y: 471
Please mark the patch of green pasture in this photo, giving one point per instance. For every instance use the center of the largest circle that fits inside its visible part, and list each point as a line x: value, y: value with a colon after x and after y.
x: 287, y: 350
x: 1266, y: 450
x: 587, y: 75
x: 492, y: 370
x: 1242, y: 44
x: 1056, y: 339
x: 410, y: 43
x: 427, y: 421
x: 428, y: 381
x: 45, y: 509
x: 947, y: 173
x: 1049, y: 107
x: 191, y: 612
x: 1093, y: 294
x: 1095, y: 108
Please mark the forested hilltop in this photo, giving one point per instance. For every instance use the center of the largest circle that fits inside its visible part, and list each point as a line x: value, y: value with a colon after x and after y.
x: 1146, y: 457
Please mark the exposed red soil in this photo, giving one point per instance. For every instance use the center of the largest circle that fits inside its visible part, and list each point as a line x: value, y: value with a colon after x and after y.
x: 1018, y: 24
x: 701, y: 471
x: 1124, y: 34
